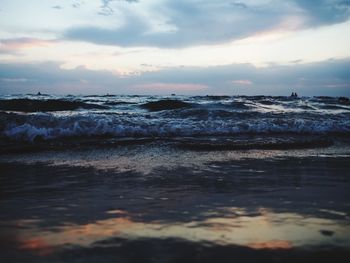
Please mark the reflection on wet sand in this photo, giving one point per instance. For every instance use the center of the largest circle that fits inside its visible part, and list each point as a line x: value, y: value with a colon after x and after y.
x: 37, y: 245
x: 210, y: 205
x: 268, y: 230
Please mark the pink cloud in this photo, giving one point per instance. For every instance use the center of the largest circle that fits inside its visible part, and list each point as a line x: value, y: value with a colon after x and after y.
x: 13, y: 44
x: 15, y: 79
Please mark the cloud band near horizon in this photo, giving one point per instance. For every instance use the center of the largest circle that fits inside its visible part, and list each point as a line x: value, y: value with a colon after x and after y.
x: 203, y: 46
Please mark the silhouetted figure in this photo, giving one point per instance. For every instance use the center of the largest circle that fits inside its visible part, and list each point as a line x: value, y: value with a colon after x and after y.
x: 39, y: 93
x: 294, y: 95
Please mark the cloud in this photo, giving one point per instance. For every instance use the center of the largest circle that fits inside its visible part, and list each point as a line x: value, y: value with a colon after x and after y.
x: 169, y: 87
x: 185, y: 20
x: 323, y: 12
x: 329, y: 77
x: 207, y: 22
x: 107, y: 10
x: 57, y: 7
x: 124, y: 36
x: 239, y: 4
x: 14, y: 80
x: 242, y: 82
x: 77, y: 3
x: 12, y: 45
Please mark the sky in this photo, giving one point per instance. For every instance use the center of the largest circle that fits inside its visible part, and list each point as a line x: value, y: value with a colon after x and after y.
x: 190, y: 47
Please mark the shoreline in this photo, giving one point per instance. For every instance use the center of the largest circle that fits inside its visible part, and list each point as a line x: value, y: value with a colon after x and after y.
x: 151, y: 179
x: 292, y: 203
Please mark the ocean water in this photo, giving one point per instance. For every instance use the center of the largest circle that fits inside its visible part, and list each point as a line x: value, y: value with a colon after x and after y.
x: 32, y: 118
x: 174, y: 179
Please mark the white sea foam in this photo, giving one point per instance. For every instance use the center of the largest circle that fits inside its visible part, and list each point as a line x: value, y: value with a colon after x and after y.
x: 50, y: 126
x: 207, y: 116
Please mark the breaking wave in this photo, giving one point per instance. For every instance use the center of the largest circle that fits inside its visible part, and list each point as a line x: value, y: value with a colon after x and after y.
x: 35, y: 105
x: 48, y: 126
x: 151, y: 117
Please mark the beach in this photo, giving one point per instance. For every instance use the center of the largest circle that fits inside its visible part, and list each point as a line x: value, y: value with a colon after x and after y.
x: 175, y: 131
x: 210, y: 195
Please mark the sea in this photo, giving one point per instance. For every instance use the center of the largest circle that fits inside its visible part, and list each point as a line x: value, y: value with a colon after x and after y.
x: 128, y: 178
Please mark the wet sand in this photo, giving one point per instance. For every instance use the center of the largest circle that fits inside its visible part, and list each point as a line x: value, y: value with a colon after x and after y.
x: 154, y: 203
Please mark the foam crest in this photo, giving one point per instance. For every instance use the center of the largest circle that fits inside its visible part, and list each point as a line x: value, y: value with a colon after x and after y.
x: 51, y: 126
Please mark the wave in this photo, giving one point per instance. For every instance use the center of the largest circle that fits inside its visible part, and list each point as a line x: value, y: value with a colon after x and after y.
x: 46, y: 126
x: 283, y: 143
x: 54, y: 118
x: 116, y: 103
x: 208, y: 97
x: 165, y: 105
x: 35, y: 105
x: 238, y: 143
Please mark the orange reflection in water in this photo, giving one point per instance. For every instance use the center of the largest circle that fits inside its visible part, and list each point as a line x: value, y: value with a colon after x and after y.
x: 37, y: 245
x: 273, y: 244
x: 265, y: 230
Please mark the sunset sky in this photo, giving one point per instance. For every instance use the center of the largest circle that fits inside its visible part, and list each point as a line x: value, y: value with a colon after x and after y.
x: 268, y: 47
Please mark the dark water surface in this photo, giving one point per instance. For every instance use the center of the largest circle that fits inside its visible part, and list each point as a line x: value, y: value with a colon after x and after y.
x: 97, y: 205
x: 207, y: 179
x: 34, y: 118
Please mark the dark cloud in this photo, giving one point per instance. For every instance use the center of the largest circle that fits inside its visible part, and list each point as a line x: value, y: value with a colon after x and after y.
x: 107, y: 10
x: 322, y: 12
x: 124, y: 36
x: 77, y: 3
x: 50, y: 78
x: 193, y: 25
x: 330, y: 77
x: 208, y: 22
x: 239, y: 4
